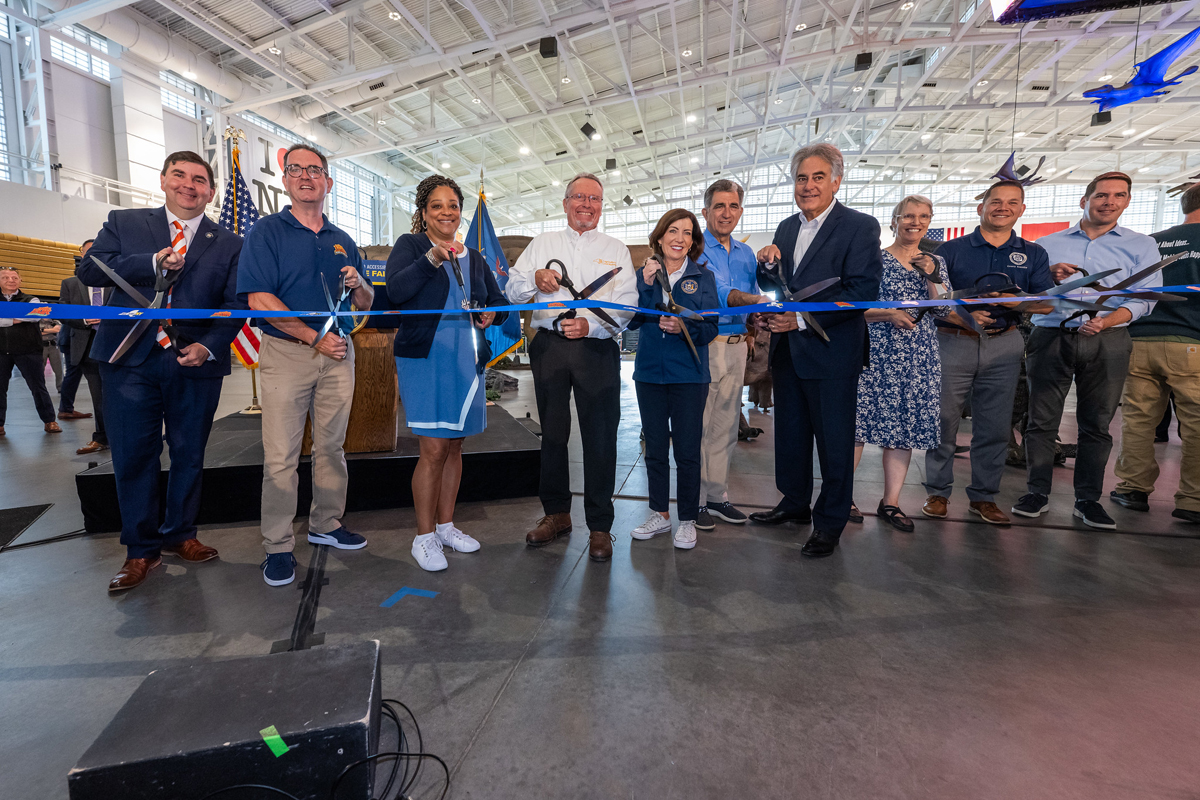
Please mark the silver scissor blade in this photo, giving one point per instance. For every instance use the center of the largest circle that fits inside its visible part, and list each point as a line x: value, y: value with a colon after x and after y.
x: 122, y: 284
x: 131, y: 338
x: 814, y: 325
x: 809, y: 291
x: 1080, y: 281
x: 1141, y: 275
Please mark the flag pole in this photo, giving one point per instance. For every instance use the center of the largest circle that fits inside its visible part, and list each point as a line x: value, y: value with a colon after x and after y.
x: 254, y: 409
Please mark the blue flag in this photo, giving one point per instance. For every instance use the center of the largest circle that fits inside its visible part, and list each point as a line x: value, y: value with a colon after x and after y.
x: 482, y: 237
x: 238, y: 213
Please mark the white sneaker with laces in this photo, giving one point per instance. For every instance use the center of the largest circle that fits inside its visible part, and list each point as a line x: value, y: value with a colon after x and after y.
x: 655, y: 524
x: 427, y: 550
x: 685, y: 537
x: 456, y: 540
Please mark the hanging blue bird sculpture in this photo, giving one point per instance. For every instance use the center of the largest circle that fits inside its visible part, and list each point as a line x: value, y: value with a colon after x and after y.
x: 1149, y: 78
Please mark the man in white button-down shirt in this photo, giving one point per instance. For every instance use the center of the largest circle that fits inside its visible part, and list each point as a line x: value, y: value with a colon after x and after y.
x: 576, y: 353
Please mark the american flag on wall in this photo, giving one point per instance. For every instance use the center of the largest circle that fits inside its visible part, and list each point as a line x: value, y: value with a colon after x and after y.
x: 238, y: 214
x: 945, y: 234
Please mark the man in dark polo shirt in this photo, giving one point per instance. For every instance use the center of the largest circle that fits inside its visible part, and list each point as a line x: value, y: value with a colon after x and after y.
x: 986, y: 371
x: 285, y: 257
x: 1165, y: 360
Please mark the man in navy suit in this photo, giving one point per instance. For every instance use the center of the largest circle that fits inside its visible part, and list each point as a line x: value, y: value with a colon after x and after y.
x: 816, y: 382
x: 149, y: 384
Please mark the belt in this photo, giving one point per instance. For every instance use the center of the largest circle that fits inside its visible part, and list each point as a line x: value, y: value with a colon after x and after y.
x: 972, y: 334
x: 732, y: 338
x: 283, y: 337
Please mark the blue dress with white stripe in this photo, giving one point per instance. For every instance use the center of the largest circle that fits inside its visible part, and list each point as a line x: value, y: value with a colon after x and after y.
x: 443, y: 394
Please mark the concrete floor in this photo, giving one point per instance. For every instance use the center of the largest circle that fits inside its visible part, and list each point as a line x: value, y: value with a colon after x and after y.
x: 1038, y: 661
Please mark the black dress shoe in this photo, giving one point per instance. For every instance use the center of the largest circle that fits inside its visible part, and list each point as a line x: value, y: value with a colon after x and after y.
x: 1186, y: 515
x: 819, y: 545
x: 1133, y: 499
x: 775, y: 516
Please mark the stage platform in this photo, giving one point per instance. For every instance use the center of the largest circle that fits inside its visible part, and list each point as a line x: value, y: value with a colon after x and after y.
x: 501, y: 462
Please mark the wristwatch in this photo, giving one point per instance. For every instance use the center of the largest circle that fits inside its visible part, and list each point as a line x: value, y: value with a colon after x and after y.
x: 429, y: 256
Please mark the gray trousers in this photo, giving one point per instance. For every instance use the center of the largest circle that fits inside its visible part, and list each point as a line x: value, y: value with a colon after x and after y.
x: 1098, y: 365
x: 985, y: 372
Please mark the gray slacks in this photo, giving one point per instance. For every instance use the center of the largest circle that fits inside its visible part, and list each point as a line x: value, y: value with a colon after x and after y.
x: 987, y: 373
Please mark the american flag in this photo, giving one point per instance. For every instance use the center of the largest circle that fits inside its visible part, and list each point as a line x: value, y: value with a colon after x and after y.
x: 945, y: 234
x: 238, y: 214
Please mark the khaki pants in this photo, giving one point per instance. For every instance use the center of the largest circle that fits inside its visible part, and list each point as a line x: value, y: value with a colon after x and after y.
x: 726, y: 368
x: 297, y: 381
x: 1155, y: 370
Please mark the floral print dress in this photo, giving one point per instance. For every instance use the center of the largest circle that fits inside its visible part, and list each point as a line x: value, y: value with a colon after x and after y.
x: 899, y: 394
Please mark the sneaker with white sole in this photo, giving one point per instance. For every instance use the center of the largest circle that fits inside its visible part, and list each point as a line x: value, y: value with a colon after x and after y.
x: 704, y: 520
x: 340, y: 538
x: 726, y: 512
x: 427, y: 550
x: 685, y: 535
x: 1032, y: 505
x: 1093, y: 515
x: 655, y: 524
x: 279, y: 569
x: 456, y: 540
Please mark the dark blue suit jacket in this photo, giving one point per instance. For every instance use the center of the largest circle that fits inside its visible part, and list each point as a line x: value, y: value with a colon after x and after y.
x: 846, y: 247
x: 127, y: 244
x: 663, y: 357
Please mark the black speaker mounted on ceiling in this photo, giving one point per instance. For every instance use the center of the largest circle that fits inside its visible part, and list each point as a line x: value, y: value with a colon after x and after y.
x: 627, y: 200
x: 610, y: 164
x: 862, y: 62
x: 1101, y: 118
x: 548, y: 47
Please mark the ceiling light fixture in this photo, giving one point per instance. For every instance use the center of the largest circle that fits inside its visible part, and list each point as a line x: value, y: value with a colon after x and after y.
x: 1105, y: 77
x: 907, y: 6
x: 394, y: 16
x: 616, y: 173
x: 555, y: 183
x: 476, y: 100
x: 1143, y: 169
x: 274, y: 50
x: 801, y: 26
x: 686, y: 53
x: 965, y: 169
x: 694, y: 159
x: 191, y: 76
x: 445, y: 165
x: 983, y: 82
x: 691, y: 117
x: 1129, y: 132
x: 778, y: 101
x: 566, y: 80
x: 925, y: 137
x: 1019, y: 134
x: 1051, y: 170
x: 524, y: 151
x: 856, y: 89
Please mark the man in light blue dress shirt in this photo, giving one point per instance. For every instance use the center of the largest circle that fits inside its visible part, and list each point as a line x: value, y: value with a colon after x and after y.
x: 734, y: 265
x: 1092, y: 352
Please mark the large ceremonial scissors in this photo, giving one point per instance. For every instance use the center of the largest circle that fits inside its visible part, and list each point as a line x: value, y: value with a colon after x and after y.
x: 343, y: 293
x: 587, y: 292
x: 1132, y: 280
x: 164, y: 279
x: 805, y: 293
x: 467, y: 305
x: 660, y: 277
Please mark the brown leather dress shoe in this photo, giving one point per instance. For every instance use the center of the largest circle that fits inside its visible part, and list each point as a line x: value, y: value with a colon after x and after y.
x: 990, y: 512
x: 132, y: 573
x: 549, y: 528
x: 52, y: 427
x: 600, y: 546
x: 91, y: 447
x: 192, y: 550
x: 936, y: 506
x: 2, y: 430
x: 73, y: 415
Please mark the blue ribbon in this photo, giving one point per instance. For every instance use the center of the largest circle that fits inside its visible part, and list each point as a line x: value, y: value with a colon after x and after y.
x: 35, y: 311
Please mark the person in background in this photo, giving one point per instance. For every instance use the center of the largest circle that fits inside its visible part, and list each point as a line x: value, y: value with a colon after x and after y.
x: 149, y: 385
x: 21, y: 347
x: 983, y: 372
x: 1093, y: 352
x: 816, y: 381
x: 899, y: 391
x: 1165, y: 362
x: 82, y: 334
x: 73, y: 370
x: 672, y: 385
x: 288, y: 262
x: 440, y: 358
x: 575, y: 353
x: 733, y: 266
x: 50, y: 353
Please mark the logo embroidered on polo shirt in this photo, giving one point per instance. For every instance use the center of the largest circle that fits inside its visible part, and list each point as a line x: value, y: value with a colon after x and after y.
x: 339, y: 250
x: 689, y: 286
x: 606, y: 263
x: 1017, y: 259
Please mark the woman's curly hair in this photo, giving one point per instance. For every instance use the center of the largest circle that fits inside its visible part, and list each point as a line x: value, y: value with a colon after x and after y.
x: 424, y: 189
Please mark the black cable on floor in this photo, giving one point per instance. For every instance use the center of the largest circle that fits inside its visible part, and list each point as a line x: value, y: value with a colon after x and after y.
x: 369, y: 759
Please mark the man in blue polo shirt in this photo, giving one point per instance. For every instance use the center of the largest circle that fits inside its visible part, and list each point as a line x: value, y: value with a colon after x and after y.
x: 284, y: 261
x: 734, y: 266
x: 1094, y: 353
x: 984, y: 370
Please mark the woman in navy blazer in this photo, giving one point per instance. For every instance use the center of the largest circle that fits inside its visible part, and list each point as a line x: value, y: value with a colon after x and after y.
x: 440, y: 358
x: 672, y: 385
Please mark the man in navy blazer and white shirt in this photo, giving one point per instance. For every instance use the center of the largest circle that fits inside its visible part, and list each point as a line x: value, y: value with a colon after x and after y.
x: 149, y: 385
x: 816, y: 382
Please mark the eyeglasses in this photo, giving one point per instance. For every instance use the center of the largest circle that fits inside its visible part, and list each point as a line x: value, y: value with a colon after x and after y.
x: 295, y: 171
x: 579, y: 198
x: 911, y: 218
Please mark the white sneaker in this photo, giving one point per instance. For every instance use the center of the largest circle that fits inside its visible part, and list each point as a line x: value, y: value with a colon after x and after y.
x: 456, y: 540
x: 685, y: 537
x: 427, y: 550
x: 655, y: 524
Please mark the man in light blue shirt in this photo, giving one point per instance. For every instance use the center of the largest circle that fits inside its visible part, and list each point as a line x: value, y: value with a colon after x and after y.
x: 734, y: 265
x: 1092, y: 352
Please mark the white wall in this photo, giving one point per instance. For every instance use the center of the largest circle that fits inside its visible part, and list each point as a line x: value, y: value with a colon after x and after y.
x: 29, y: 211
x: 83, y: 122
x: 180, y: 132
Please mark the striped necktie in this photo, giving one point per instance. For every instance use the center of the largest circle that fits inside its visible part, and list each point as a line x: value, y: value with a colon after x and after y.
x: 179, y: 245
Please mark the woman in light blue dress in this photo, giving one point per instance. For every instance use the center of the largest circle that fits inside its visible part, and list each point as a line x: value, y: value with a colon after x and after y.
x: 440, y: 358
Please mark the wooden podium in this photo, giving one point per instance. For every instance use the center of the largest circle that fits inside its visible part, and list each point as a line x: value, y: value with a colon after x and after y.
x: 373, y: 414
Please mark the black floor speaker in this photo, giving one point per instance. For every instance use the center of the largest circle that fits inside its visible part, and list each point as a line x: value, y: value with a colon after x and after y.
x: 292, y: 721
